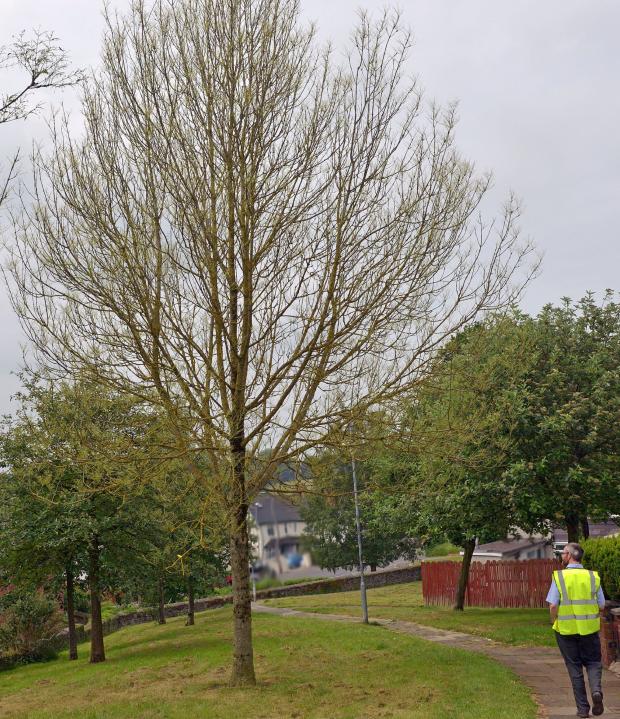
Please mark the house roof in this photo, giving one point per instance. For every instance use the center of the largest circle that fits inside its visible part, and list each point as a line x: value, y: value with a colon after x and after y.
x: 508, y: 546
x: 287, y: 473
x: 269, y: 509
x: 597, y: 529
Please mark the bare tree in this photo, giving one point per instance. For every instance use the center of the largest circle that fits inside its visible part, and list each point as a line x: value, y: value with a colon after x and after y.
x: 45, y: 64
x: 248, y: 229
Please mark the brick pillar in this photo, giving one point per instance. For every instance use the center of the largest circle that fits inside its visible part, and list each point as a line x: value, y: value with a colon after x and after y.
x: 608, y: 637
x: 615, y: 627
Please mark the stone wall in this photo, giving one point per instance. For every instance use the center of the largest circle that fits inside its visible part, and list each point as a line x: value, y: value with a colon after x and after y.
x: 344, y: 584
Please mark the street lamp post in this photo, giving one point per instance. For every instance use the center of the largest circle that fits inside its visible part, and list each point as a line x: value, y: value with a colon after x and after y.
x: 359, y: 544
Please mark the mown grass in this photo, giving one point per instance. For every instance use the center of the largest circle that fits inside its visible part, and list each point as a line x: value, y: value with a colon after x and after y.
x: 305, y: 668
x: 404, y: 601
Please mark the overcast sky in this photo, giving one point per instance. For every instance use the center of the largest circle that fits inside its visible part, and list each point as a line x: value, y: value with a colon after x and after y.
x: 538, y: 86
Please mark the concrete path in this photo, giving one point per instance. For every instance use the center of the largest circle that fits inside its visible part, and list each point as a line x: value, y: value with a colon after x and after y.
x: 540, y: 668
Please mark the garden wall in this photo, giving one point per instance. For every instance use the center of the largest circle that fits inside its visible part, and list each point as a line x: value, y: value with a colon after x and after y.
x: 344, y: 584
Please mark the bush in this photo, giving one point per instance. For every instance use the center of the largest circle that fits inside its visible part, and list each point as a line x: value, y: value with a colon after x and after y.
x: 28, y: 626
x: 442, y: 550
x: 603, y: 555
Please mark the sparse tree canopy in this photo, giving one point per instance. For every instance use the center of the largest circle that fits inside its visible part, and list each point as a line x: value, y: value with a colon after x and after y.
x: 248, y: 229
x: 45, y: 65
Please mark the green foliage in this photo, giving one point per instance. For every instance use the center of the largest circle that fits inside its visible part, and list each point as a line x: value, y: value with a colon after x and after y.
x: 454, y: 445
x: 568, y: 433
x: 27, y: 627
x: 442, y: 550
x: 603, y: 555
x: 329, y: 513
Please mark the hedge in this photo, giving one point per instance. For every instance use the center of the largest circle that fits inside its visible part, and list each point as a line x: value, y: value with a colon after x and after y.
x: 603, y: 555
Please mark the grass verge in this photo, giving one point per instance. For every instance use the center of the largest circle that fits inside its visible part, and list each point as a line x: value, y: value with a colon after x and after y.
x: 306, y: 670
x: 404, y: 601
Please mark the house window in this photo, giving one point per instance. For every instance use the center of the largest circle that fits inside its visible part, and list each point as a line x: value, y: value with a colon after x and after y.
x: 270, y: 531
x: 285, y: 528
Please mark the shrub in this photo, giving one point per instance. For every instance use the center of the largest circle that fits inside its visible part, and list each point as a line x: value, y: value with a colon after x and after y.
x: 28, y: 625
x: 603, y: 555
x: 442, y: 550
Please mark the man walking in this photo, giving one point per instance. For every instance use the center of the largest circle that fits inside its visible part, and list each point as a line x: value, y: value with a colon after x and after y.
x: 574, y: 598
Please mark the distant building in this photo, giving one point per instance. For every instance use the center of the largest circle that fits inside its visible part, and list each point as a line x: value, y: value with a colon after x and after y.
x: 523, y: 546
x: 518, y: 548
x: 276, y: 531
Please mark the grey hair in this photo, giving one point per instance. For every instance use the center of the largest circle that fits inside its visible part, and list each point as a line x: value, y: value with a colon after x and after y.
x: 575, y: 550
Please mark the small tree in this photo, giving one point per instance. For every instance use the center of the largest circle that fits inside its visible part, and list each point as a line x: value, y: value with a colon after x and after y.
x: 457, y: 436
x: 247, y: 229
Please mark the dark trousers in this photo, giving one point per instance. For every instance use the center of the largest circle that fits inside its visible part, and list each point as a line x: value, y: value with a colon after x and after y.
x: 582, y: 651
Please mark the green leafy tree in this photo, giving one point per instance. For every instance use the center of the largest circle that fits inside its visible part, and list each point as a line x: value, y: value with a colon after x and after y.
x: 568, y: 431
x: 329, y: 513
x: 74, y: 500
x: 454, y: 443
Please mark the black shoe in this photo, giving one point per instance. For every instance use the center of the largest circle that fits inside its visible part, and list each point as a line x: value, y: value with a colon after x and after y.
x: 597, y: 704
x: 583, y: 714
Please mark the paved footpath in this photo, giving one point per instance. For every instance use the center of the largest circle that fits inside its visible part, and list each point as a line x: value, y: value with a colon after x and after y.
x: 540, y: 668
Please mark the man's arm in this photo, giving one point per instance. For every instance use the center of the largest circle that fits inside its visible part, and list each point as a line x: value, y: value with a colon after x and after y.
x: 553, y: 599
x: 553, y: 612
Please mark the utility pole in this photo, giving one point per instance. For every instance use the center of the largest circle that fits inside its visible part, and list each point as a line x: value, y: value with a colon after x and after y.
x: 359, y: 544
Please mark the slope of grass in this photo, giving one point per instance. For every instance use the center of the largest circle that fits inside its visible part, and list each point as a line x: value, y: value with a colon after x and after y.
x: 306, y: 669
x: 404, y: 601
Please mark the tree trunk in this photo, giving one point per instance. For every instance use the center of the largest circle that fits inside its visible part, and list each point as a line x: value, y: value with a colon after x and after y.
x: 190, y: 602
x: 243, y: 656
x: 469, y: 547
x: 585, y: 528
x: 243, y: 660
x: 160, y: 600
x: 572, y: 527
x: 70, y: 608
x: 97, y: 652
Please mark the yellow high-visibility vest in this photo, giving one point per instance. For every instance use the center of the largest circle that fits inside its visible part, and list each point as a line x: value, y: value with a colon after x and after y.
x: 578, y: 612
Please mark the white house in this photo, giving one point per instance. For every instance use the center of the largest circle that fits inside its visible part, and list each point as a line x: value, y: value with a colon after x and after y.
x: 276, y: 530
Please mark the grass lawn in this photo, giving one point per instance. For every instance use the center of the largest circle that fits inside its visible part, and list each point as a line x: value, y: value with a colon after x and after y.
x: 306, y: 670
x: 404, y: 601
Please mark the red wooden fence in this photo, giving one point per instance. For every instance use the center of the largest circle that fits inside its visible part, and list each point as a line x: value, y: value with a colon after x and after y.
x: 491, y: 584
